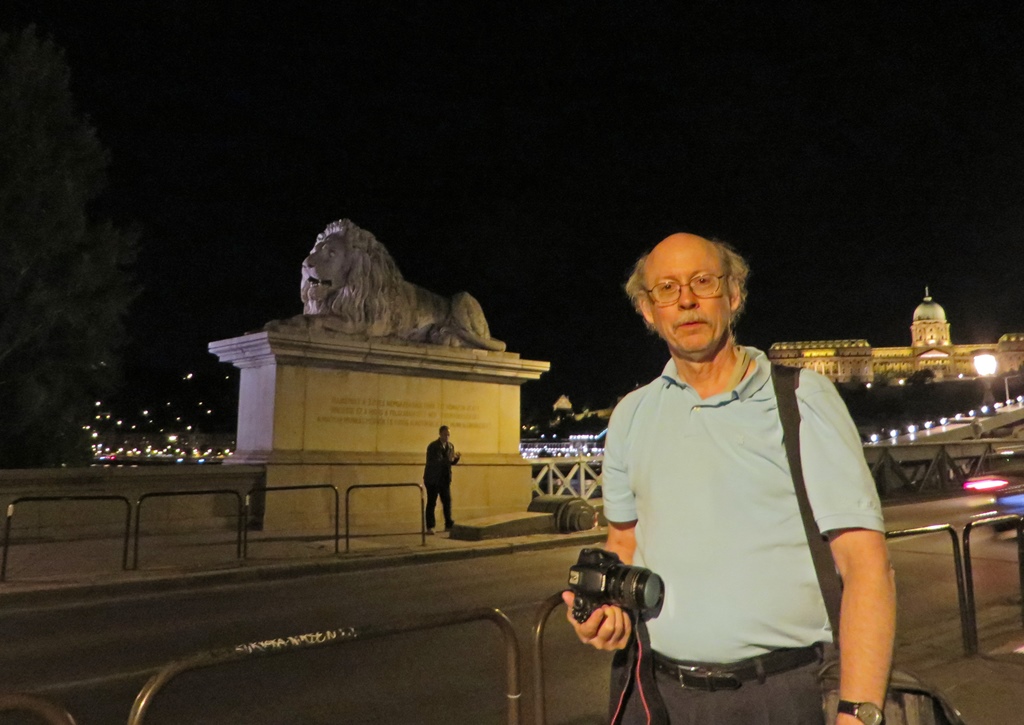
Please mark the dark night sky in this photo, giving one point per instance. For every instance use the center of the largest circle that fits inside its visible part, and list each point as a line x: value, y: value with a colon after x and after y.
x: 854, y: 153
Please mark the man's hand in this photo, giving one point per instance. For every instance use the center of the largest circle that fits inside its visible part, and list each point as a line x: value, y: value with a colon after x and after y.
x: 608, y: 628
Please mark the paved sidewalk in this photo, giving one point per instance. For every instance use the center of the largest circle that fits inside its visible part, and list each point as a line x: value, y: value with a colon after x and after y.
x: 39, y: 571
x: 988, y: 688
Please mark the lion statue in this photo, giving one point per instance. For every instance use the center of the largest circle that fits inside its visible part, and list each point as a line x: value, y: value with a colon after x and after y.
x: 351, y: 280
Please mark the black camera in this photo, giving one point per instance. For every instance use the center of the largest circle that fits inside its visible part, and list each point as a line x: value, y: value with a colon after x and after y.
x: 599, y: 577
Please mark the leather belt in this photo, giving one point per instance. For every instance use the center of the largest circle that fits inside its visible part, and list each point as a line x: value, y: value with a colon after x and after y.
x: 730, y: 676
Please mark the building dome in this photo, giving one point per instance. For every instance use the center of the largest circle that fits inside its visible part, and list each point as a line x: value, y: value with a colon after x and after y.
x: 929, y: 310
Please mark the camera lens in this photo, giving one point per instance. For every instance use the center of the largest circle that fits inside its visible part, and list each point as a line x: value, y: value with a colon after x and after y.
x: 650, y: 589
x: 636, y: 587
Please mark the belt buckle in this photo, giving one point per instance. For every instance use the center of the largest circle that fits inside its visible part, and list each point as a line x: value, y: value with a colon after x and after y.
x: 712, y: 679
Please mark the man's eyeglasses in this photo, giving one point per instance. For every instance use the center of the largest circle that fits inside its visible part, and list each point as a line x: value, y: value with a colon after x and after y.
x: 702, y: 285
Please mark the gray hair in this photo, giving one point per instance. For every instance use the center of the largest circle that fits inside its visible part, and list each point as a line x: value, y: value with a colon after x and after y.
x: 734, y: 267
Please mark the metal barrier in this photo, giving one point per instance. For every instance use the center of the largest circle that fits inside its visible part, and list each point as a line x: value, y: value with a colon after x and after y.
x: 283, y: 645
x: 581, y: 479
x: 84, y: 497
x: 165, y: 494
x: 957, y: 566
x: 972, y: 647
x: 263, y: 489
x: 540, y: 715
x: 50, y: 712
x: 423, y: 506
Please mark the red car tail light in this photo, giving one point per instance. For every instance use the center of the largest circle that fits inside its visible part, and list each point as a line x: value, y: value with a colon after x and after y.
x: 985, y: 484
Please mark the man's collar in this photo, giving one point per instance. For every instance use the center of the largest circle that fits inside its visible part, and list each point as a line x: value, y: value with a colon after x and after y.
x: 747, y: 388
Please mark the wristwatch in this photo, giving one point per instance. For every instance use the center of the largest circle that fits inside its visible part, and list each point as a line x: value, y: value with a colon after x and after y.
x: 867, y: 712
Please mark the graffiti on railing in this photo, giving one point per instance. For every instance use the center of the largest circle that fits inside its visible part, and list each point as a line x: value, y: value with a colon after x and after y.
x: 297, y: 640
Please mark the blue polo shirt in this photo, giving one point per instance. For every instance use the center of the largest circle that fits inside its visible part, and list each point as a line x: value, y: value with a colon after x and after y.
x: 708, y: 483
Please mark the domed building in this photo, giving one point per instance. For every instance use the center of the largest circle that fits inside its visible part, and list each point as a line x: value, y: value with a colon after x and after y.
x: 931, y: 348
x: 929, y: 326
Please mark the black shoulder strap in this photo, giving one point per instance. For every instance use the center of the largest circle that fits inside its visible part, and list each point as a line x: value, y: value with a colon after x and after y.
x: 786, y: 380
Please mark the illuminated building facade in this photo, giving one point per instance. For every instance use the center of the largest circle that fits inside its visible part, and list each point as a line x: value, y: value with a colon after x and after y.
x: 931, y: 348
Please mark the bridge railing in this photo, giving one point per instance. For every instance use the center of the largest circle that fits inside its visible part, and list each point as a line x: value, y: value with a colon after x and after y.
x: 898, y: 470
x: 927, y: 468
x: 579, y: 477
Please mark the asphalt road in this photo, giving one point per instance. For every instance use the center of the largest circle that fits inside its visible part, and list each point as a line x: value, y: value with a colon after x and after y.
x: 94, y: 655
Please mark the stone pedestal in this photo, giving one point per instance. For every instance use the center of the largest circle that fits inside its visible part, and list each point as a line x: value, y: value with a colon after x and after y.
x: 321, y: 407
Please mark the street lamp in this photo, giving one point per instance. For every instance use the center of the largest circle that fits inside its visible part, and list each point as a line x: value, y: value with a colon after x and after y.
x: 986, y: 366
x: 1006, y: 384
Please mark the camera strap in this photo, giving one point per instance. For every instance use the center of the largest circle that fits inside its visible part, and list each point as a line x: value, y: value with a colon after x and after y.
x: 638, y: 674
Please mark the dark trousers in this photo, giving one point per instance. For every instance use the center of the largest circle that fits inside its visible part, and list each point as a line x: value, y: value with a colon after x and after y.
x: 444, y: 490
x: 787, y: 698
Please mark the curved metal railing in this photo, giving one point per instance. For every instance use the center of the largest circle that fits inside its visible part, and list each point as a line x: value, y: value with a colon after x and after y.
x: 207, y: 492
x: 265, y: 489
x: 50, y: 712
x: 334, y: 637
x: 84, y: 497
x: 423, y: 506
x: 961, y: 594
x: 972, y: 643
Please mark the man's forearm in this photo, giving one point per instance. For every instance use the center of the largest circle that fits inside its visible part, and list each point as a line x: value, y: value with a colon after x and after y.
x: 622, y: 540
x: 866, y: 631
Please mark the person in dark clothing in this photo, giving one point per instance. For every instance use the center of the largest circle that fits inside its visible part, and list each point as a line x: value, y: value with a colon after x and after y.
x: 437, y: 477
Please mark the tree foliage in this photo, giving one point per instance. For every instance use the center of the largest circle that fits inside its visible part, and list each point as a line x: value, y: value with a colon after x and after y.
x: 65, y: 284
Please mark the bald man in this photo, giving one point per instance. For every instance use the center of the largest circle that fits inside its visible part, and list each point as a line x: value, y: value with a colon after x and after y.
x: 697, y: 488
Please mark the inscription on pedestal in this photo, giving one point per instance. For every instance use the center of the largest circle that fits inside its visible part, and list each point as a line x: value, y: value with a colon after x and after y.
x: 394, y: 412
